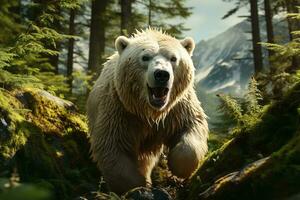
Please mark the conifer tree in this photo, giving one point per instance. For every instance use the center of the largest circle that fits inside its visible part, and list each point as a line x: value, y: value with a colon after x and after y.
x: 167, y: 9
x: 70, y: 59
x: 269, y: 26
x: 255, y: 30
x: 285, y: 68
x: 293, y: 25
x: 126, y: 17
x: 257, y: 52
x: 97, y: 36
x: 26, y: 61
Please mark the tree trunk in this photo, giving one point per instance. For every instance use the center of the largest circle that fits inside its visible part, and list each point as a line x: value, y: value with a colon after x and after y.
x: 293, y: 25
x: 17, y: 9
x: 257, y: 52
x: 71, y: 49
x: 97, y: 36
x: 54, y: 59
x: 33, y: 13
x: 149, y: 13
x: 126, y: 15
x: 269, y: 26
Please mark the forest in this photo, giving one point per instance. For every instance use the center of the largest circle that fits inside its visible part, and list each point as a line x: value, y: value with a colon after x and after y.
x: 51, y: 53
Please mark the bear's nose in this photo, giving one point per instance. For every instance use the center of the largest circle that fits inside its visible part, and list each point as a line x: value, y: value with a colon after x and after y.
x: 161, y: 76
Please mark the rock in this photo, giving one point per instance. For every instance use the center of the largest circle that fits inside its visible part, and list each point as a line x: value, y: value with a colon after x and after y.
x: 45, y: 139
x: 233, y: 179
x: 143, y: 193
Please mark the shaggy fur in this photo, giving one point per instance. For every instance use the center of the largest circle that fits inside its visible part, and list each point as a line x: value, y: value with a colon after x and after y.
x: 127, y: 134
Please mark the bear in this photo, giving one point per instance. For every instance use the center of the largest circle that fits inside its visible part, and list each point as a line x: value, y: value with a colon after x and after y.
x: 143, y: 101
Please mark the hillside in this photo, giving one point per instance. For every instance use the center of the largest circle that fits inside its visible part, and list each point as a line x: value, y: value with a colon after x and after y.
x: 224, y: 63
x: 260, y: 162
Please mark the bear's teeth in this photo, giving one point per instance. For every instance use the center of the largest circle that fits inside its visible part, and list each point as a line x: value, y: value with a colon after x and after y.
x: 154, y: 97
x: 159, y: 98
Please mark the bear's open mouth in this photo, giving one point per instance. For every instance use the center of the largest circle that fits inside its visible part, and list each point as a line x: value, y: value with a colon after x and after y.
x: 158, y: 96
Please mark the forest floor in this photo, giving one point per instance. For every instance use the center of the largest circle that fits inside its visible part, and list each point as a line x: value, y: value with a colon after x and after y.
x: 44, y: 154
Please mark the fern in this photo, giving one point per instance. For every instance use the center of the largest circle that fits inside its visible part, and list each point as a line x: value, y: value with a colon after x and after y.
x: 230, y: 107
x: 5, y: 58
x: 239, y: 113
x: 252, y: 98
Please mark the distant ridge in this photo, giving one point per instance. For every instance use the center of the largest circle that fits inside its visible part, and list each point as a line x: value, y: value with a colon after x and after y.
x: 223, y: 63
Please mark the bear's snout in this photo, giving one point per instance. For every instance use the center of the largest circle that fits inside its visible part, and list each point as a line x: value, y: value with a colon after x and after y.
x: 161, y: 76
x: 160, y: 73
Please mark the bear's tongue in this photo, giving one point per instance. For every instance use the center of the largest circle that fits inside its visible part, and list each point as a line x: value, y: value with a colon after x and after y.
x: 159, y: 92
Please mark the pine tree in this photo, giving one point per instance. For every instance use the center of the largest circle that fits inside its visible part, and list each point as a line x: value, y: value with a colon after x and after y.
x: 254, y: 19
x: 293, y: 25
x: 269, y: 26
x: 97, y: 36
x: 257, y: 52
x: 126, y: 17
x: 10, y: 22
x: 26, y: 62
x: 284, y: 71
x: 70, y: 59
x: 167, y: 9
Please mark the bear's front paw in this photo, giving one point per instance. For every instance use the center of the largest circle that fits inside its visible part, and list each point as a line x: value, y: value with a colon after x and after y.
x: 183, y: 160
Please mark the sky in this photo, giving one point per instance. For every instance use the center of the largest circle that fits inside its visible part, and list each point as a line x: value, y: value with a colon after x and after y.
x: 206, y: 20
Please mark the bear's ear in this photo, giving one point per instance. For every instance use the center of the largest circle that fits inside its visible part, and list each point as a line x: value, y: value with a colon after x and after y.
x: 121, y: 43
x: 189, y: 44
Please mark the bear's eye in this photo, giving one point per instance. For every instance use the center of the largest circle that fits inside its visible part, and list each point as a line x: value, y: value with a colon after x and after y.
x: 173, y: 59
x: 146, y: 58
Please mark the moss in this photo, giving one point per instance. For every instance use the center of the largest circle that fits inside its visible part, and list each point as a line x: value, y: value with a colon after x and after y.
x: 79, y: 122
x: 274, y: 177
x: 215, y: 141
x: 11, y: 122
x: 25, y: 192
x: 275, y: 129
x: 47, y: 141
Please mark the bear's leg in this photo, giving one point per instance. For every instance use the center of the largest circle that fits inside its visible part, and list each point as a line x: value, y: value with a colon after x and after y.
x: 122, y: 174
x: 147, y: 163
x: 184, y: 158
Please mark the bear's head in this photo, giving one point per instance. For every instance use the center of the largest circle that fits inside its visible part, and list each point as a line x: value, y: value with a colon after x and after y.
x: 154, y: 71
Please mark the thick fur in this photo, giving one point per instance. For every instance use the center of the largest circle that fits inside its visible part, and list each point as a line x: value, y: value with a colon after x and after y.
x: 127, y: 134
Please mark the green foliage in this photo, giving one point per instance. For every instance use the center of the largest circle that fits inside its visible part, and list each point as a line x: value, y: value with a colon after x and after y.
x: 11, y: 118
x: 169, y: 9
x: 12, y: 189
x: 284, y: 71
x: 81, y: 83
x: 9, y: 21
x: 47, y: 141
x: 231, y: 108
x: 275, y: 138
x: 253, y: 97
x: 26, y: 61
x: 287, y: 50
x: 5, y: 58
x: 239, y: 113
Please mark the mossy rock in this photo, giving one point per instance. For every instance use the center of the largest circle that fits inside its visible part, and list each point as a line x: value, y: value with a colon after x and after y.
x: 268, y: 149
x: 46, y: 140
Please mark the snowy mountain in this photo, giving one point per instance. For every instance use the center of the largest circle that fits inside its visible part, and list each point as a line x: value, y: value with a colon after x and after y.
x: 224, y: 63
